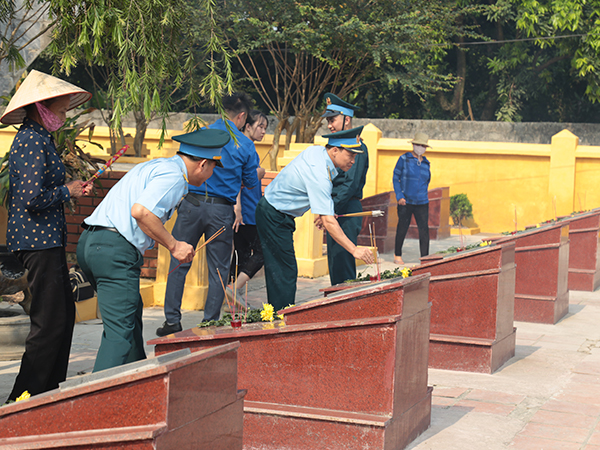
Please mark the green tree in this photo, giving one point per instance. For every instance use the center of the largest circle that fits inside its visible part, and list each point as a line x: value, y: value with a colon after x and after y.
x: 145, y: 48
x: 21, y: 23
x: 293, y: 52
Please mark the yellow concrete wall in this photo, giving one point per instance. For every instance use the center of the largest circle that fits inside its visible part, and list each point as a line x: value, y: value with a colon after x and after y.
x: 533, y: 180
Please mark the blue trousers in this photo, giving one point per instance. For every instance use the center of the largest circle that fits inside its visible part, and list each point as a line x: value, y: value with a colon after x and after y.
x: 112, y: 265
x: 192, y: 223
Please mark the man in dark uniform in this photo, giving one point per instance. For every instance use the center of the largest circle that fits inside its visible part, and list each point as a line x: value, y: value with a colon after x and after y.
x: 347, y: 192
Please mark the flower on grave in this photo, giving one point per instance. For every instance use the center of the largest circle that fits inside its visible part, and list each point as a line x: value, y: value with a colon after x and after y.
x: 406, y: 272
x: 267, y: 312
x: 280, y: 316
x: 24, y: 396
x: 485, y: 243
x: 538, y: 225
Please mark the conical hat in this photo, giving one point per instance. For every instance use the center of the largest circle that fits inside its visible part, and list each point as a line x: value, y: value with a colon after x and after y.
x: 38, y: 87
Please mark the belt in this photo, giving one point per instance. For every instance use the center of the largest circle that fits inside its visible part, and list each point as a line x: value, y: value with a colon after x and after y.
x: 194, y: 199
x: 85, y: 226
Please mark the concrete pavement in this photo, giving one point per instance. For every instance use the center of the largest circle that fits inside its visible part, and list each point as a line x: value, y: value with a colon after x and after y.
x: 546, y: 397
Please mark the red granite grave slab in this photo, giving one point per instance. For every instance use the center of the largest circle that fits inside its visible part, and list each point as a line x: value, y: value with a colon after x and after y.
x: 472, y: 296
x: 542, y: 259
x: 339, y: 378
x: 584, y: 251
x: 384, y: 228
x: 184, y: 399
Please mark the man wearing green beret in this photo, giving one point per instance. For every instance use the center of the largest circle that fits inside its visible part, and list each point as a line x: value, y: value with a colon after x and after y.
x: 347, y: 192
x: 129, y: 221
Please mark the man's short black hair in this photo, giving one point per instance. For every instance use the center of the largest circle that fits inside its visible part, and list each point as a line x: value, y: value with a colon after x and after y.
x: 193, y: 158
x: 236, y: 103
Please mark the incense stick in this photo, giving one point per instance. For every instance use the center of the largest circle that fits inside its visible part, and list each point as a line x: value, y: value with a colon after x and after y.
x: 375, y: 213
x: 377, y: 254
x: 225, y: 291
x: 246, y: 304
x: 107, y: 165
x: 214, y: 236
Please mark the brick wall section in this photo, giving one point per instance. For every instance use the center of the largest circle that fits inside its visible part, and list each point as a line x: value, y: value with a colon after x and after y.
x: 85, y: 207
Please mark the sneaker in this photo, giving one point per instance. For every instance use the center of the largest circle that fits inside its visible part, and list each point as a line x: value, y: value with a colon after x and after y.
x: 168, y: 328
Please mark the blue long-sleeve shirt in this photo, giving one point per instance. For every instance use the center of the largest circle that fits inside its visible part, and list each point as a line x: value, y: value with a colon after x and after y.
x: 239, y: 166
x: 411, y: 179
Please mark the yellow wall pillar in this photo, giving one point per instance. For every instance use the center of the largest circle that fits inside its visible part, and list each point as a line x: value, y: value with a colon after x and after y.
x: 196, y: 282
x: 561, y: 182
x: 371, y: 136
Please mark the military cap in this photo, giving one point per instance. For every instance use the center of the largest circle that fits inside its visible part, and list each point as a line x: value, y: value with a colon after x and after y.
x: 337, y: 106
x: 348, y: 139
x: 203, y: 143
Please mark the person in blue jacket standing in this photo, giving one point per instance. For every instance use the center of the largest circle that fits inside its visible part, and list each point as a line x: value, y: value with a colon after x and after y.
x: 412, y: 175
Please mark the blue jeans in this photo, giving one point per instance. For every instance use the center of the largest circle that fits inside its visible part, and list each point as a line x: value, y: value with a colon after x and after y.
x: 192, y: 223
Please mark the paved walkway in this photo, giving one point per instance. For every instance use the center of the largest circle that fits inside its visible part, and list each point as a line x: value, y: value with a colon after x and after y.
x: 546, y: 397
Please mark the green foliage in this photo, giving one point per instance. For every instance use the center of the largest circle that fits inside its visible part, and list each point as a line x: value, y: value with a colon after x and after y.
x: 252, y: 316
x: 385, y: 275
x: 460, y: 208
x: 18, y: 19
x: 146, y: 47
x: 292, y: 52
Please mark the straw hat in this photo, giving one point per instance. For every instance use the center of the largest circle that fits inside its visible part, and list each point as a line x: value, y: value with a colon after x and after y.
x: 38, y: 87
x: 420, y: 139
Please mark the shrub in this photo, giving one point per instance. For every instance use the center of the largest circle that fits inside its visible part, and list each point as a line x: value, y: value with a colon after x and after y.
x: 460, y: 208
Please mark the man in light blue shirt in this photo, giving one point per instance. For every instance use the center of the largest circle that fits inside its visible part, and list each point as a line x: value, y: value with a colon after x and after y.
x: 208, y: 208
x: 303, y: 184
x: 127, y: 222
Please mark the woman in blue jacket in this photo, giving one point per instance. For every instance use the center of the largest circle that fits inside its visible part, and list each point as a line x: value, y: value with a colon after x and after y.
x: 411, y: 182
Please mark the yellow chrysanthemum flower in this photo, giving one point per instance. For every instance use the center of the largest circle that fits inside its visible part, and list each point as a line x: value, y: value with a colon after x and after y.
x: 485, y: 243
x: 538, y: 225
x: 405, y: 272
x: 24, y: 396
x: 267, y: 312
x: 280, y: 316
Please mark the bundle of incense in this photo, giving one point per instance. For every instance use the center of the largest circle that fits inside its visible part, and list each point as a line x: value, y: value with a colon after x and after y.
x: 231, y: 308
x: 373, y: 246
x: 107, y: 165
x: 212, y: 238
x: 375, y: 213
x: 377, y: 253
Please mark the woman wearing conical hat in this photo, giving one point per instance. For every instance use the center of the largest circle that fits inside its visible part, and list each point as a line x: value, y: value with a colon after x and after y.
x: 36, y: 230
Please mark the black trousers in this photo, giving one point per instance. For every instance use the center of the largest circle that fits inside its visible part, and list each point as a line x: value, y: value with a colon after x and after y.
x: 421, y: 213
x: 44, y: 363
x: 249, y: 251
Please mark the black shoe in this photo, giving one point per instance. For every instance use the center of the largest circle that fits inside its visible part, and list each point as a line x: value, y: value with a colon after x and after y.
x: 168, y: 328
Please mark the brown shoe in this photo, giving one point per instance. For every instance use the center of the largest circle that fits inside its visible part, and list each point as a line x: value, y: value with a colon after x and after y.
x: 398, y: 260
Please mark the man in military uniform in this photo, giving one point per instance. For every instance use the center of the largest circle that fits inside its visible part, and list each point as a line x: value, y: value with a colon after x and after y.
x: 305, y: 183
x: 347, y: 192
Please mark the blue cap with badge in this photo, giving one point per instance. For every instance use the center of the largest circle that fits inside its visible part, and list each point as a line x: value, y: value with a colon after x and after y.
x: 348, y: 139
x: 203, y: 143
x: 337, y: 106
